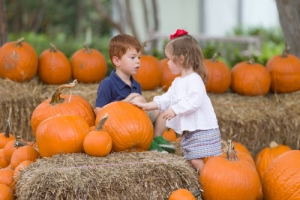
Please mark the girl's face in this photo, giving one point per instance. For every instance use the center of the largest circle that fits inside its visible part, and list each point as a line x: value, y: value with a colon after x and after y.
x: 174, y: 67
x: 129, y: 62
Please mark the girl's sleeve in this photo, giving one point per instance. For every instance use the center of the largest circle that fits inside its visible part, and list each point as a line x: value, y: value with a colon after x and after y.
x: 193, y: 100
x: 164, y: 101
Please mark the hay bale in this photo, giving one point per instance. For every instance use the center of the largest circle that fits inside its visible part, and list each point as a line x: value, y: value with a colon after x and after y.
x: 145, y: 175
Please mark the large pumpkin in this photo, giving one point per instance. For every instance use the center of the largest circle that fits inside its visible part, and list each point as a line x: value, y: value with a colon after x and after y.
x: 149, y: 74
x: 281, y: 179
x: 61, y: 134
x: 167, y: 77
x: 129, y: 126
x: 285, y: 72
x: 250, y: 79
x: 63, y: 104
x: 267, y: 155
x: 219, y: 75
x: 88, y: 65
x: 18, y: 61
x: 229, y: 178
x: 54, y: 67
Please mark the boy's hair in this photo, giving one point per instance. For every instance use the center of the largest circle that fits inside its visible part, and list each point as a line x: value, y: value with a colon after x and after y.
x: 188, y: 47
x: 119, y: 45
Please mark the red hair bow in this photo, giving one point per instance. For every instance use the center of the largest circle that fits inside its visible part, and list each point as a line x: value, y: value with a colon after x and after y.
x: 178, y: 33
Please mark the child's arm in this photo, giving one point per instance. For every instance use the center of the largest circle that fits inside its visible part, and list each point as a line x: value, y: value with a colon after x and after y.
x: 146, y: 106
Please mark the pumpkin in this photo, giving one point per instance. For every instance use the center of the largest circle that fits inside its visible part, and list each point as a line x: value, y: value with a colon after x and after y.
x: 54, y: 67
x: 167, y: 77
x: 250, y: 79
x: 11, y: 146
x: 229, y: 178
x: 267, y: 155
x: 88, y: 65
x: 149, y: 74
x: 285, y: 72
x: 219, y: 75
x: 23, y: 153
x: 97, y: 142
x: 3, y: 162
x: 129, y: 126
x: 181, y: 194
x: 6, y: 136
x: 281, y: 179
x: 20, y: 167
x: 6, y: 177
x: 62, y: 104
x: 18, y: 61
x: 61, y: 134
x: 240, y: 147
x: 169, y: 134
x: 6, y: 192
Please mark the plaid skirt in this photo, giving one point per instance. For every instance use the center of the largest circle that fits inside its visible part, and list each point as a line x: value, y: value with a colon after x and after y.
x: 201, y: 143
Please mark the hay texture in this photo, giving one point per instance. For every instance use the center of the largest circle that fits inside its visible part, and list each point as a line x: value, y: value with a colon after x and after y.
x: 134, y: 176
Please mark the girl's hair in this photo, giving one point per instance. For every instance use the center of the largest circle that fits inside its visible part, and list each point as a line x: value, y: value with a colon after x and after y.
x: 188, y: 47
x: 119, y: 45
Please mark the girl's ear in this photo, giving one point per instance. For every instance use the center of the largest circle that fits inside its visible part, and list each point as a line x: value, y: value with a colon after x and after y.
x: 115, y: 61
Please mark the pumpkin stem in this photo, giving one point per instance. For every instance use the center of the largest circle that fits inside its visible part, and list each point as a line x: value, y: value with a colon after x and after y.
x: 87, y: 48
x: 7, y: 129
x: 101, y: 123
x: 251, y: 61
x: 56, y: 95
x: 231, y: 153
x: 285, y: 52
x: 273, y: 144
x: 19, y: 42
x: 215, y: 56
x: 19, y: 143
x: 53, y: 48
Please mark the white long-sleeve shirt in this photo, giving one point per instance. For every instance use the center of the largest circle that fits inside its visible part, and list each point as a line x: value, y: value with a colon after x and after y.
x: 188, y: 98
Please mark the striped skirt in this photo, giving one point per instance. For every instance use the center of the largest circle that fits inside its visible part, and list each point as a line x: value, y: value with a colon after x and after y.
x: 201, y: 143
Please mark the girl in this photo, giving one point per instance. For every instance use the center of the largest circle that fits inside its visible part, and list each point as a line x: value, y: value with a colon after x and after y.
x: 186, y: 105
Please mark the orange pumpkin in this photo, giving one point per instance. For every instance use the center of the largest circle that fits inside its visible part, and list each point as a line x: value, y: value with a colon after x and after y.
x: 267, y: 155
x: 6, y: 136
x: 18, y: 61
x: 149, y: 74
x: 88, y: 65
x: 229, y: 178
x: 169, y: 135
x: 281, y: 179
x: 219, y: 75
x: 23, y: 153
x: 250, y: 79
x: 181, y: 194
x: 6, y: 177
x: 54, y: 67
x: 6, y: 192
x: 62, y: 104
x: 20, y: 167
x: 129, y: 126
x: 167, y: 77
x: 11, y: 146
x: 240, y: 147
x: 97, y: 142
x: 285, y: 72
x: 3, y: 162
x: 61, y: 134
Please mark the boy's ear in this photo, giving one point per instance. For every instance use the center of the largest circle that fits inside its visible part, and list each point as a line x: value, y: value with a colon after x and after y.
x: 115, y: 60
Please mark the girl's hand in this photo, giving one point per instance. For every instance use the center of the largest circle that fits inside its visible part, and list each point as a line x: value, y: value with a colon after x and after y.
x: 168, y: 114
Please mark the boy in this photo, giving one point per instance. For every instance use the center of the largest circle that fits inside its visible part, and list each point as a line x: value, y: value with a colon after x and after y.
x: 125, y: 52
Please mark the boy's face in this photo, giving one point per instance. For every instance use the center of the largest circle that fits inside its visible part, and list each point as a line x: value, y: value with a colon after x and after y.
x: 129, y: 63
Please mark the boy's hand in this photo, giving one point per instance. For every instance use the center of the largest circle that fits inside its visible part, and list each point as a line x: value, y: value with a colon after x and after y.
x: 168, y: 114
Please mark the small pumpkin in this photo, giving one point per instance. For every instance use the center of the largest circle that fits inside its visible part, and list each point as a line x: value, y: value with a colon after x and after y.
x: 167, y: 77
x: 6, y: 177
x: 169, y: 134
x: 11, y: 146
x: 250, y: 79
x: 281, y: 178
x: 54, y: 67
x: 97, y: 142
x: 61, y: 134
x: 6, y: 192
x: 6, y: 136
x: 62, y: 104
x: 129, y: 126
x: 285, y: 72
x: 20, y: 167
x: 267, y: 155
x: 219, y: 75
x: 18, y: 61
x: 88, y: 65
x: 182, y: 194
x: 3, y: 162
x: 23, y: 153
x: 149, y: 74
